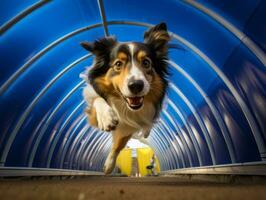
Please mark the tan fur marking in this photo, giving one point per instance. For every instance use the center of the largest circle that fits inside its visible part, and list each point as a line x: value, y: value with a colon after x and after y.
x: 156, y: 90
x: 122, y: 56
x: 119, y: 79
x: 104, y: 84
x: 161, y: 35
x: 141, y: 55
x: 91, y: 114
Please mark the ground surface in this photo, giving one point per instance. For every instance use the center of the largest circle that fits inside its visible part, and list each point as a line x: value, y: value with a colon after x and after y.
x: 98, y: 188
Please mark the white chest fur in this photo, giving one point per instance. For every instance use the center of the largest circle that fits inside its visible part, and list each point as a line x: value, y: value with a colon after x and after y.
x: 139, y: 119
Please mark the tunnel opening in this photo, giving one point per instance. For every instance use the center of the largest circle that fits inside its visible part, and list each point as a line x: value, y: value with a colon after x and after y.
x: 137, y: 160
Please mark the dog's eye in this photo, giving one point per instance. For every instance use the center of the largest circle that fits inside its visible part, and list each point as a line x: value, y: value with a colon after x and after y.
x: 118, y: 65
x: 146, y: 63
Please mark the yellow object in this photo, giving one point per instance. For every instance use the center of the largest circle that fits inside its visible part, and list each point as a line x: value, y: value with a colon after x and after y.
x: 124, y: 161
x: 144, y: 156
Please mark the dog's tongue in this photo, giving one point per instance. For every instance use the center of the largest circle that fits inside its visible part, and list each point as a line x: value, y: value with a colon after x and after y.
x: 134, y: 101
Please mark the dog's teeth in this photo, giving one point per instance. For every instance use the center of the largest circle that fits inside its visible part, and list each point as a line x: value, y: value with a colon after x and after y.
x: 134, y: 101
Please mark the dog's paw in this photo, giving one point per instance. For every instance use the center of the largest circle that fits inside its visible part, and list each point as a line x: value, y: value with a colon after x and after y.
x: 107, y: 119
x: 106, y: 116
x: 109, y: 164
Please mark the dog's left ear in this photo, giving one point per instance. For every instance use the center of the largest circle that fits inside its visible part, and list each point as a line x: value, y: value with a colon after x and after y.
x: 86, y: 45
x: 157, y: 38
x: 99, y: 47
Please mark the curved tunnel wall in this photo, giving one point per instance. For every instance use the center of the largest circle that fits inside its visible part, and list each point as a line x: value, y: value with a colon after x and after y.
x: 214, y: 112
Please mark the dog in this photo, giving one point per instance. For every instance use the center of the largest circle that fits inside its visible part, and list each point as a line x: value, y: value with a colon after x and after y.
x: 126, y: 86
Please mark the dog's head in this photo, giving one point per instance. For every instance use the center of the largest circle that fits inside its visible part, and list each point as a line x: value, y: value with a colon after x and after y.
x: 133, y: 71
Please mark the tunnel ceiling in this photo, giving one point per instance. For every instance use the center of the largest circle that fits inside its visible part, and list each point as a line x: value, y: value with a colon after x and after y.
x: 214, y: 112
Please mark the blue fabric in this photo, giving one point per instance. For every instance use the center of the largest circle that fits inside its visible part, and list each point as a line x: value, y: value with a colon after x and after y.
x: 211, y: 59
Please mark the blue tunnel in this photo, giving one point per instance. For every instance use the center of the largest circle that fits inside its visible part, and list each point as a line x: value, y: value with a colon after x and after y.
x: 214, y: 112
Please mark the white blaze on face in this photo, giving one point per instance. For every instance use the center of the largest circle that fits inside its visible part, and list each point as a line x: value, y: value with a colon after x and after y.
x: 136, y: 73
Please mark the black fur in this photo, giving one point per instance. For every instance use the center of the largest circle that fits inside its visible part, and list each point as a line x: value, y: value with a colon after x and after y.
x: 101, y: 49
x: 157, y: 39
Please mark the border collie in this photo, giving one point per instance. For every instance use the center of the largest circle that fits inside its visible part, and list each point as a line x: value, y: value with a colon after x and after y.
x: 126, y: 86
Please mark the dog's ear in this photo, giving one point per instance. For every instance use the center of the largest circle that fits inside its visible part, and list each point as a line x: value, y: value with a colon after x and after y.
x: 101, y: 46
x: 86, y: 45
x: 157, y: 38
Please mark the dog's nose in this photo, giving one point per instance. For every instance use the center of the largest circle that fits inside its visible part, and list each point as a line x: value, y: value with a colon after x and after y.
x: 135, y: 86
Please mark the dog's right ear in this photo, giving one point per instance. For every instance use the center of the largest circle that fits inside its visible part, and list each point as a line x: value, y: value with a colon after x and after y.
x: 101, y: 46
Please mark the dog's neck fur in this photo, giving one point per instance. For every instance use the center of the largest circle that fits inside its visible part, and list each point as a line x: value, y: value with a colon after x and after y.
x: 134, y: 120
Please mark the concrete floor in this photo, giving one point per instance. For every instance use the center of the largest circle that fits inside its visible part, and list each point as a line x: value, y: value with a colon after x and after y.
x: 98, y: 188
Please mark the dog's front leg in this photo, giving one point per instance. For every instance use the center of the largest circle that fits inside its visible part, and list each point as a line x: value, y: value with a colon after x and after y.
x: 119, y: 142
x: 106, y: 117
x: 99, y: 113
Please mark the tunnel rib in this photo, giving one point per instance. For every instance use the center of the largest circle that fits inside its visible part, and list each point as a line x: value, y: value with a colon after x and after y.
x: 165, y: 139
x: 194, y: 140
x: 65, y: 147
x: 6, y: 26
x: 30, y: 107
x: 87, y: 153
x: 103, y: 16
x: 95, y: 156
x: 165, y: 164
x: 76, y: 142
x: 183, y: 140
x: 199, y: 120
x: 98, y: 135
x: 217, y: 116
x: 230, y: 27
x: 34, y: 58
x: 177, y: 147
x: 152, y: 144
x: 161, y: 153
x: 33, y: 153
x: 55, y: 141
x: 106, y: 149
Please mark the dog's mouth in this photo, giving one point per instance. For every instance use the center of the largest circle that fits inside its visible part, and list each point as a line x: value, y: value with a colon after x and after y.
x: 134, y: 103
